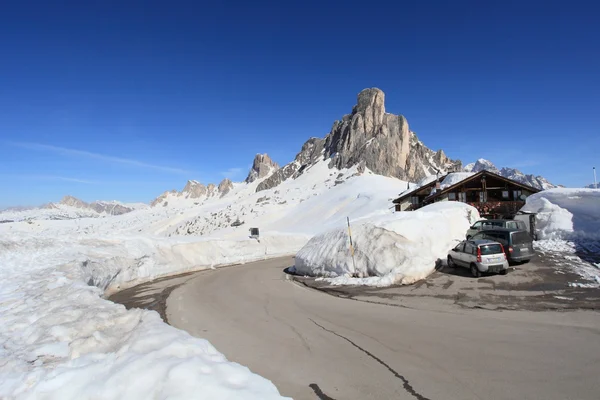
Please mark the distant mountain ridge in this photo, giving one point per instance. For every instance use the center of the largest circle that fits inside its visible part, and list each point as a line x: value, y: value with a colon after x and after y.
x: 99, y: 206
x: 538, y: 182
x: 194, y: 190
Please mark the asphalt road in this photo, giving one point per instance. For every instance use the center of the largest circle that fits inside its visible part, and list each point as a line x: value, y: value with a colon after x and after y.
x: 313, y: 345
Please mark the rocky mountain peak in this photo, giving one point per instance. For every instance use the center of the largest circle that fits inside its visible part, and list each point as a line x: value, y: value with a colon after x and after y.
x: 225, y: 186
x: 538, y: 182
x: 480, y: 165
x: 369, y: 138
x: 194, y: 189
x: 261, y: 167
x: 73, y: 202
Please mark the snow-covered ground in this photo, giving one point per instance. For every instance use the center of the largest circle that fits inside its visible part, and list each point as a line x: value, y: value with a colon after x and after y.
x: 568, y: 223
x: 61, y: 339
x: 398, y: 248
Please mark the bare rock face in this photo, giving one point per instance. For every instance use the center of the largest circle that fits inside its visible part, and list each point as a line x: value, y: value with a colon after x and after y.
x: 261, y: 167
x: 382, y: 141
x: 311, y: 152
x: 225, y: 186
x: 194, y: 190
x: 73, y: 202
x: 372, y: 139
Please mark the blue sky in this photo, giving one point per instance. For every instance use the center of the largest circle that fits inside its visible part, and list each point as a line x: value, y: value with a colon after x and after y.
x: 123, y: 100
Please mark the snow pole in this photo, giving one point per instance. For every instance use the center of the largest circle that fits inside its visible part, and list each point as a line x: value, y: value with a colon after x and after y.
x: 351, y: 246
x: 595, y: 182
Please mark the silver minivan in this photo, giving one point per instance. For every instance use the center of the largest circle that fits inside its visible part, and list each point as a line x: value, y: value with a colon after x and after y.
x: 479, y: 256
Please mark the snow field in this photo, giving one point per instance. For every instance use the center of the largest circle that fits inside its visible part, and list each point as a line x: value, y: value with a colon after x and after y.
x: 399, y: 248
x: 61, y: 340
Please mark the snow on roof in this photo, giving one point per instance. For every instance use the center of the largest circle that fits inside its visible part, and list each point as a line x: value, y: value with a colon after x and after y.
x: 455, y: 177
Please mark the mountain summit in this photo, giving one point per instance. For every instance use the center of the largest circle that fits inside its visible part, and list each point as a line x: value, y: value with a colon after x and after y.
x: 261, y: 167
x: 511, y: 173
x: 368, y: 138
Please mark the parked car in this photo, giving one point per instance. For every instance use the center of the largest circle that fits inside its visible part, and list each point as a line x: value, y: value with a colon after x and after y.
x: 517, y: 243
x: 479, y: 256
x: 494, y: 223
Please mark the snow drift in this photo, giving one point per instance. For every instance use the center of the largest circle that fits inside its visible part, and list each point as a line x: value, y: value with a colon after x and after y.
x: 566, y: 213
x: 393, y: 249
x: 61, y: 340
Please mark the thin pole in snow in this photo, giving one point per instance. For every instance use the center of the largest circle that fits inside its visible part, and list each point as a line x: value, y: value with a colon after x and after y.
x: 351, y: 246
x: 595, y: 182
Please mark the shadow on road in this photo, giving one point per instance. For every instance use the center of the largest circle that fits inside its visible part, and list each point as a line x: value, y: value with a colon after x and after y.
x: 291, y: 270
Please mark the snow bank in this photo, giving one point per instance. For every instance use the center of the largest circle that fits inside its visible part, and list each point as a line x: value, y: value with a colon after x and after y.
x: 566, y: 213
x: 400, y: 248
x: 129, y: 262
x: 61, y: 340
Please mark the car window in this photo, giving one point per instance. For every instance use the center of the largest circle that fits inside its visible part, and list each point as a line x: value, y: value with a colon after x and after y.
x: 477, y: 224
x: 460, y: 246
x: 520, y: 237
x: 492, y: 248
x: 511, y: 225
x: 470, y: 248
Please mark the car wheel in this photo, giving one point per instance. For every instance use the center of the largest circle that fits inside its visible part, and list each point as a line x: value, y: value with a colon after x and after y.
x: 475, y: 271
x: 504, y: 272
x: 451, y: 263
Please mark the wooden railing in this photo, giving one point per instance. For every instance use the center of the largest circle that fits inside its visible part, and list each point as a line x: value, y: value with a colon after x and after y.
x: 498, y: 207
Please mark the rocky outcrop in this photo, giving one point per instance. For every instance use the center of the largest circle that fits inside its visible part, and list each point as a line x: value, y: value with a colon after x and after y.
x: 225, y: 186
x: 163, y: 197
x: 310, y: 153
x: 368, y: 138
x: 73, y: 202
x: 382, y: 142
x: 261, y: 167
x: 194, y: 190
x: 538, y: 182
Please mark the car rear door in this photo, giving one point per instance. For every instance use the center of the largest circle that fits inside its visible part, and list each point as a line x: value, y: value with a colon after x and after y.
x: 522, y: 244
x: 458, y: 255
x: 469, y: 254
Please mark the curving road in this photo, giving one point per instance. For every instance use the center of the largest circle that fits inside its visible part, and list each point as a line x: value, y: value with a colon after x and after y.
x: 313, y: 345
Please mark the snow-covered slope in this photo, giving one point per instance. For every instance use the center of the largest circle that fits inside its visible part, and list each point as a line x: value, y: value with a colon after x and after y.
x: 60, y: 336
x: 511, y: 173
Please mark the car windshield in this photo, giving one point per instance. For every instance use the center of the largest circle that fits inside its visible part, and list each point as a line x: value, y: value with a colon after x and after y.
x: 493, y: 248
x: 520, y: 237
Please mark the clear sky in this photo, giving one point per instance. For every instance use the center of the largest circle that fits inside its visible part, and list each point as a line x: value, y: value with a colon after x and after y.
x: 126, y: 99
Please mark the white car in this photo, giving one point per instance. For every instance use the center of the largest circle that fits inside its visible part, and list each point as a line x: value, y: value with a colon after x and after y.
x: 479, y: 256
